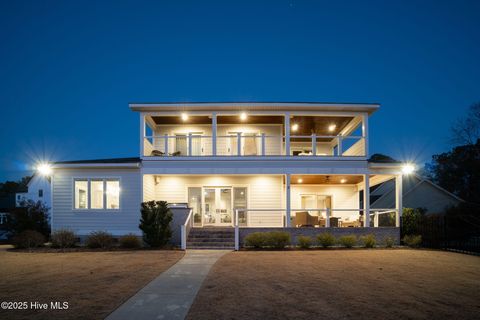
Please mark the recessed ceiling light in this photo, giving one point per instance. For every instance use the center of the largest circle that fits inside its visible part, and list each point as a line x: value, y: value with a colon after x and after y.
x: 300, y: 180
x: 295, y: 127
x: 343, y: 180
x: 332, y: 127
x: 243, y: 116
x: 184, y: 116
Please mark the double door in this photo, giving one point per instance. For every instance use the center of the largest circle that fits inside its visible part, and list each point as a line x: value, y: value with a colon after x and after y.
x: 217, y: 205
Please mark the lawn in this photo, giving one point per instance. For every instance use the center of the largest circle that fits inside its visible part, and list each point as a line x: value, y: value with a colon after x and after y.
x: 93, y: 283
x: 341, y: 284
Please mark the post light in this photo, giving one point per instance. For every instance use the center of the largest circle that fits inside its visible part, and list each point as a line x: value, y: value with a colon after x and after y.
x: 408, y: 168
x: 295, y: 127
x: 332, y: 127
x: 44, y: 169
x: 243, y: 116
x: 184, y: 116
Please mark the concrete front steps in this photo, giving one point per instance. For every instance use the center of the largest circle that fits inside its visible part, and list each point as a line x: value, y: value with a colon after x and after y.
x: 211, y: 238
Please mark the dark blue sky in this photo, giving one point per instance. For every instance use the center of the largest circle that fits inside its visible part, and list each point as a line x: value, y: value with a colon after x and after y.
x: 70, y: 68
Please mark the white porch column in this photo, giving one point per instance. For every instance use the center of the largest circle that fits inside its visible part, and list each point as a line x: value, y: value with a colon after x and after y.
x: 398, y: 199
x: 366, y: 200
x: 365, y: 132
x: 375, y: 220
x: 214, y: 134
x: 287, y: 134
x: 287, y: 198
x: 142, y: 134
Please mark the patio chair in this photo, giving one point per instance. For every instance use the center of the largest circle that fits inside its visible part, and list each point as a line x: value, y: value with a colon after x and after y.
x: 157, y: 153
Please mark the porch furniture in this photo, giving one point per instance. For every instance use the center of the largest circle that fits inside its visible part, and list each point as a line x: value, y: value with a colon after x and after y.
x: 322, y: 222
x: 304, y: 219
x: 354, y: 223
x: 176, y: 153
x: 334, y: 222
x: 157, y: 153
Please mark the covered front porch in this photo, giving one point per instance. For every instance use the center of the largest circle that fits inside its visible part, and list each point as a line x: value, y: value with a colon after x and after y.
x: 276, y: 201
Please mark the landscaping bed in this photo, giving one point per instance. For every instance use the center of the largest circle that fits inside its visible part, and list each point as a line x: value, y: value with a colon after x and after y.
x: 93, y: 281
x: 341, y: 284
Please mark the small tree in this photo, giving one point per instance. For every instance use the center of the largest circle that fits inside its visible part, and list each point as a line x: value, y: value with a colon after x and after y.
x: 30, y: 215
x: 155, y: 223
x: 411, y: 219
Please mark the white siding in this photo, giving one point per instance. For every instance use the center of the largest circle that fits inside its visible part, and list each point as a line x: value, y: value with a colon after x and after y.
x: 264, y: 192
x: 148, y: 188
x: 357, y: 149
x: 117, y: 222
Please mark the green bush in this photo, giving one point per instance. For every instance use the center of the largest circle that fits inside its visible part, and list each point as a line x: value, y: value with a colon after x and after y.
x: 255, y: 240
x: 304, y: 242
x: 369, y: 240
x: 63, y: 238
x: 389, y: 242
x: 130, y: 241
x: 155, y: 223
x: 326, y: 239
x: 348, y: 241
x: 412, y: 241
x: 273, y: 239
x: 100, y: 239
x: 28, y: 239
x: 277, y: 239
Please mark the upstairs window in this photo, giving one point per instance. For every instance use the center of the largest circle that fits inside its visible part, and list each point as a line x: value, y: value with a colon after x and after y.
x: 40, y: 193
x: 97, y: 194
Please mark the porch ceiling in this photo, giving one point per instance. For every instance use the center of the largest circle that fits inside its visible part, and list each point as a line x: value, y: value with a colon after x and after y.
x: 325, y: 179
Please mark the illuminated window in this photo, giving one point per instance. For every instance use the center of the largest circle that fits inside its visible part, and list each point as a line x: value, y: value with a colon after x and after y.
x: 96, y: 193
x: 113, y: 194
x: 81, y: 194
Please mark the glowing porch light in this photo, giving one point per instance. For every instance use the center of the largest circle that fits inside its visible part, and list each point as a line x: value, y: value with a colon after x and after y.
x: 332, y: 127
x: 343, y: 180
x: 184, y: 116
x: 408, y: 168
x: 243, y: 116
x: 300, y: 180
x: 44, y: 169
x: 295, y: 127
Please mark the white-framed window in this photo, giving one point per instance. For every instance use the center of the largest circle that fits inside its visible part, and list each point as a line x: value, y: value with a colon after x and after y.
x: 96, y: 194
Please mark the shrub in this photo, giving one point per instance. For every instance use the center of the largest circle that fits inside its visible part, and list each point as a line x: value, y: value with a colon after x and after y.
x: 389, y: 242
x: 155, y: 223
x: 28, y: 239
x: 412, y: 241
x: 348, y: 241
x: 100, y: 239
x: 326, y: 239
x: 130, y: 241
x: 277, y: 239
x: 369, y: 241
x: 63, y: 238
x: 255, y: 240
x: 304, y: 242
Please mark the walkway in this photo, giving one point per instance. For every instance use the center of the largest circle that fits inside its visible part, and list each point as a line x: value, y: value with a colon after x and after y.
x: 171, y: 294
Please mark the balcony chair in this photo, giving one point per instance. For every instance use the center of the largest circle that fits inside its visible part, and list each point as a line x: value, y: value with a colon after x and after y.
x: 157, y: 153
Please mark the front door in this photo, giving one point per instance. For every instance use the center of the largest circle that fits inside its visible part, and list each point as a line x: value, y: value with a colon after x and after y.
x: 217, y: 205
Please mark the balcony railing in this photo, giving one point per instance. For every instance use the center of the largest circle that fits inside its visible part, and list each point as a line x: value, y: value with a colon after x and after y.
x: 236, y: 145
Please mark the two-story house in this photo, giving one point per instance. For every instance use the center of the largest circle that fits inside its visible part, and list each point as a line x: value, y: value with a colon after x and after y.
x: 245, y: 165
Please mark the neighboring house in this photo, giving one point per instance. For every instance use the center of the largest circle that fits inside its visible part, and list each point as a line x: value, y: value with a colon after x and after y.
x: 38, y: 190
x: 251, y: 165
x: 418, y: 192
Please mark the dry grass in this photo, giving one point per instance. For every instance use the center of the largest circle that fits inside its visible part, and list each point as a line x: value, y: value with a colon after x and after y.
x: 93, y: 283
x: 341, y: 284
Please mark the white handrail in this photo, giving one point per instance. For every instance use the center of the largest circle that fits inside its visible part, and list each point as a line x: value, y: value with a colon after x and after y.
x: 183, y: 230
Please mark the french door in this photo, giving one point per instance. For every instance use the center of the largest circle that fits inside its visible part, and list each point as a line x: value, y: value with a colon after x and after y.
x: 217, y: 205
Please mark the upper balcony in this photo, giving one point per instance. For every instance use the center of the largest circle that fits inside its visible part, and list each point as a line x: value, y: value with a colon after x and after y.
x: 251, y: 132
